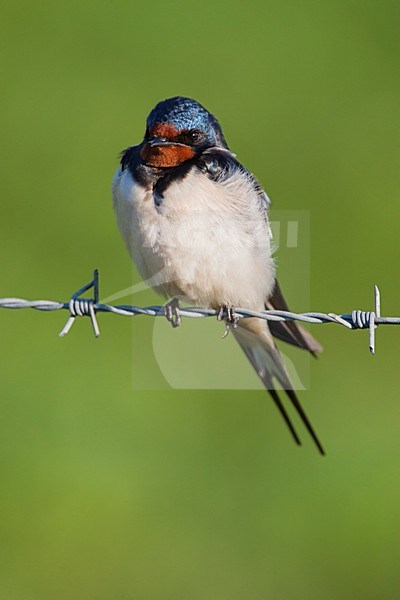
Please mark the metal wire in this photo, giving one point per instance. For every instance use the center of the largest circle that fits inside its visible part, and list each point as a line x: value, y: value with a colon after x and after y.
x: 82, y: 307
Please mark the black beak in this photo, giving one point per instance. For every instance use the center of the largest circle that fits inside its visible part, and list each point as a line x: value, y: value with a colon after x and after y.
x: 160, y: 141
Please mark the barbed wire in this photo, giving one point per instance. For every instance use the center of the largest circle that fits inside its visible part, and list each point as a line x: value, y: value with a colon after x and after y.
x: 82, y: 307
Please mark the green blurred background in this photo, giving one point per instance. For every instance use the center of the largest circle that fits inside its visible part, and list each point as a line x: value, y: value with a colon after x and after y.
x: 112, y: 492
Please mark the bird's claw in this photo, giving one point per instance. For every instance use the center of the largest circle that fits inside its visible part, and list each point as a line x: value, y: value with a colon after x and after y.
x: 172, y: 312
x: 231, y: 318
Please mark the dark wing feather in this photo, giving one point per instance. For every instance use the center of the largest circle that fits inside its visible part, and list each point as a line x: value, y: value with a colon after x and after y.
x: 289, y: 331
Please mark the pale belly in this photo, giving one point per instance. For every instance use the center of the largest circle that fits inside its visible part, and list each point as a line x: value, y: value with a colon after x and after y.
x: 203, y: 244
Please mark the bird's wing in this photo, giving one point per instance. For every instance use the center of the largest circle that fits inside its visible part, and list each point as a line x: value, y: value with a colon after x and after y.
x: 289, y: 331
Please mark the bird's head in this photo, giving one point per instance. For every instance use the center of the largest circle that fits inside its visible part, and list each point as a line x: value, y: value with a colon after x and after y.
x: 178, y: 129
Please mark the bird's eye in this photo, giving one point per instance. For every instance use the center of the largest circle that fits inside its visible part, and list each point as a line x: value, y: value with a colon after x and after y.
x: 190, y: 136
x: 194, y: 135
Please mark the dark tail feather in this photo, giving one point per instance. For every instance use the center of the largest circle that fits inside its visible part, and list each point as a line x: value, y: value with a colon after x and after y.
x: 266, y: 360
x: 304, y: 418
x: 281, y: 408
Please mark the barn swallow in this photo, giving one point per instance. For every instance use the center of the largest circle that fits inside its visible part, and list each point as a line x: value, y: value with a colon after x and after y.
x: 195, y: 222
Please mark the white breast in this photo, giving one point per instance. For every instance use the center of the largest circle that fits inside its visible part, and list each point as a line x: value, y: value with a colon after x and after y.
x: 208, y: 242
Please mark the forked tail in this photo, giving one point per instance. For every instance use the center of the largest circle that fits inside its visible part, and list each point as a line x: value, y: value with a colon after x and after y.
x: 257, y: 343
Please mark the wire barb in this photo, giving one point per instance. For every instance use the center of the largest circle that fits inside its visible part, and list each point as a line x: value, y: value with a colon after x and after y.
x: 84, y: 307
x: 89, y: 307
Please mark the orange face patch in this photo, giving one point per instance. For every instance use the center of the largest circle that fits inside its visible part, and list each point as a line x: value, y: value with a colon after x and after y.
x: 164, y: 130
x: 166, y: 156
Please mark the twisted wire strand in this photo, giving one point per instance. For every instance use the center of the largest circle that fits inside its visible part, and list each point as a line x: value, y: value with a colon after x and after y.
x: 81, y: 307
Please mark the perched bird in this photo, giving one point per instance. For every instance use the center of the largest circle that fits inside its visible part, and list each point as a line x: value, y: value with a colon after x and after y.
x: 195, y: 222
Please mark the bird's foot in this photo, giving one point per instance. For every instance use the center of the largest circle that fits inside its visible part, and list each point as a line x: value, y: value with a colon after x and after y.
x: 172, y: 312
x: 231, y: 318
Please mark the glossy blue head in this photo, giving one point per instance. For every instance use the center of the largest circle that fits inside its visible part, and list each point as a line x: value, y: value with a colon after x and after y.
x: 187, y: 119
x: 179, y: 129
